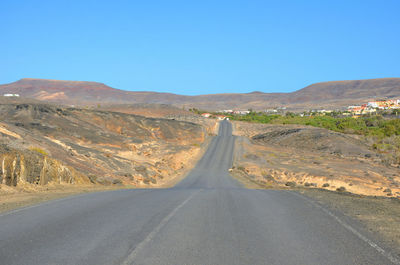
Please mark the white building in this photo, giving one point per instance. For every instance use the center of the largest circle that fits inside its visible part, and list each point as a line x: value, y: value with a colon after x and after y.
x: 206, y: 115
x: 373, y: 104
x: 11, y: 95
x: 241, y: 112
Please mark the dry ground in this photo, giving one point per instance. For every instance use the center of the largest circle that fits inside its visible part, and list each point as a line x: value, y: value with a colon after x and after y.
x: 13, y: 197
x: 313, y: 157
x: 26, y: 194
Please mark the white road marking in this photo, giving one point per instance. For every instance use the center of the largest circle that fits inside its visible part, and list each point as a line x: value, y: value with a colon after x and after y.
x: 42, y: 203
x: 131, y: 257
x: 351, y: 229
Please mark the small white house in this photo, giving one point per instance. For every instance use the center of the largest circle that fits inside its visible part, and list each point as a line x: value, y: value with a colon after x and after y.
x: 206, y: 115
x: 373, y: 104
x: 11, y: 95
x: 241, y: 112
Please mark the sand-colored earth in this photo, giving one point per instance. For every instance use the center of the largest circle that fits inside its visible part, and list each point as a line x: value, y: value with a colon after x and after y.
x: 312, y: 157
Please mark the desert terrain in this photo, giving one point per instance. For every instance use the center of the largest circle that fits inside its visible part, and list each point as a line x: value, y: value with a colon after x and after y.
x: 50, y: 152
x: 296, y: 155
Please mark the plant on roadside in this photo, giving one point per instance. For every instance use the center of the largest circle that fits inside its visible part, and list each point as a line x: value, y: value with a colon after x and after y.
x: 39, y: 150
x: 341, y: 189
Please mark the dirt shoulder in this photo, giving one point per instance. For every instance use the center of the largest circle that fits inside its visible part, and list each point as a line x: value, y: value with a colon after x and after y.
x: 13, y: 198
x: 172, y: 181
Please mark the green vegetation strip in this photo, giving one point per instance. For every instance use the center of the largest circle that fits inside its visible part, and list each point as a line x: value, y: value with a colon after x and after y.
x: 381, y: 130
x: 368, y: 126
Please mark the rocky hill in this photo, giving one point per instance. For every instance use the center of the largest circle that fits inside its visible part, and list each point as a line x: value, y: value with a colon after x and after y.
x: 321, y: 95
x: 42, y: 143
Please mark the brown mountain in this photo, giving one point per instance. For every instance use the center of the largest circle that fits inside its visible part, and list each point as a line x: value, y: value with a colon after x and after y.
x: 320, y: 95
x: 74, y: 92
x: 348, y: 91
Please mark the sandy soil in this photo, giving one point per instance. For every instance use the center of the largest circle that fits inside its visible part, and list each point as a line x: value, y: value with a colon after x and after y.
x: 172, y: 181
x: 22, y: 196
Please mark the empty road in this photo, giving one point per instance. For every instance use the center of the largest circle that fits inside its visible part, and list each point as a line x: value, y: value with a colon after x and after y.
x: 208, y: 218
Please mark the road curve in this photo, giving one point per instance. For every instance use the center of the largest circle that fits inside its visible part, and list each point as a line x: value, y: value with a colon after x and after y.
x: 208, y: 218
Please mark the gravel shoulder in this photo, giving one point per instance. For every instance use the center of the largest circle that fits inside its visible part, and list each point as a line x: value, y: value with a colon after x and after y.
x: 11, y: 199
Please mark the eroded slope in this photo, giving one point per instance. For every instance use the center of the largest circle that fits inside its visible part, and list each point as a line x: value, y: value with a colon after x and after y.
x: 43, y: 144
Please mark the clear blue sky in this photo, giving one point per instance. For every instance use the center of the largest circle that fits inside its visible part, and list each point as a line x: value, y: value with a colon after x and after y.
x: 198, y: 47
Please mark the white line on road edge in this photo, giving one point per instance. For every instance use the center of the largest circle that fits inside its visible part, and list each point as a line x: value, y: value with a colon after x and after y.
x: 72, y: 196
x: 351, y: 229
x: 68, y: 197
x: 131, y: 257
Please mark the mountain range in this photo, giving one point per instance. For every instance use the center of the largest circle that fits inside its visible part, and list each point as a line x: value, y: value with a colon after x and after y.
x: 334, y: 94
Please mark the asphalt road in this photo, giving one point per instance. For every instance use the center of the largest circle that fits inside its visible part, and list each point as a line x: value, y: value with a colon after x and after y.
x: 208, y: 218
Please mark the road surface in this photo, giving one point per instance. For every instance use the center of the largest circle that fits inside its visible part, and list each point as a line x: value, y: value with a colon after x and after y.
x: 208, y: 218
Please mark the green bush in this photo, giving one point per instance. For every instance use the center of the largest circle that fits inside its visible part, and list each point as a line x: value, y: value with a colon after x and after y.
x: 241, y: 168
x: 290, y: 184
x: 39, y: 150
x: 341, y: 189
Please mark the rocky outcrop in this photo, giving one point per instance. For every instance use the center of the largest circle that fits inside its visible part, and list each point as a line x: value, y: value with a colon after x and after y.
x: 34, y: 168
x: 43, y: 143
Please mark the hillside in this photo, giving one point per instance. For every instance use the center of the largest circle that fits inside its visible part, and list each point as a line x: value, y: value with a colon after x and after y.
x: 298, y: 155
x: 357, y: 91
x: 41, y: 143
x: 75, y: 92
x: 334, y: 94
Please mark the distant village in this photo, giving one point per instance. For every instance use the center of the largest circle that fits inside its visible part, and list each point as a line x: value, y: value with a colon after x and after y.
x: 373, y: 106
x: 356, y: 110
x: 368, y: 108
